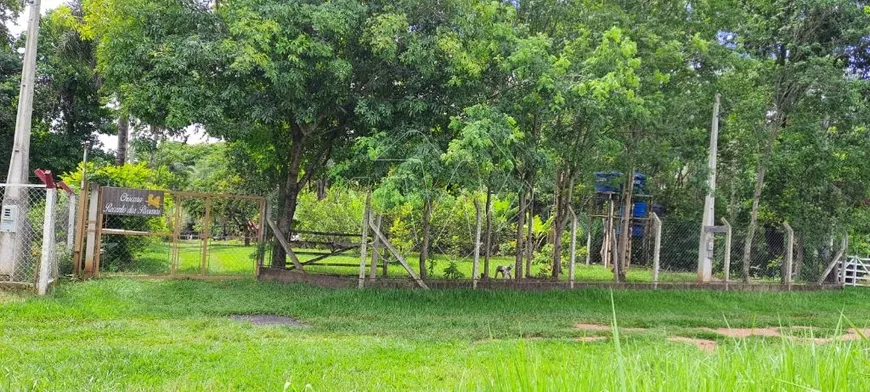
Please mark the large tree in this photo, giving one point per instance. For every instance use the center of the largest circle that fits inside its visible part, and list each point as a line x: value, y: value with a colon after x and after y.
x: 798, y: 41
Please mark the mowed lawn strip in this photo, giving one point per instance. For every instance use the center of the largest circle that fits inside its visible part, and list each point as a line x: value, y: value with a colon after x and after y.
x: 128, y: 334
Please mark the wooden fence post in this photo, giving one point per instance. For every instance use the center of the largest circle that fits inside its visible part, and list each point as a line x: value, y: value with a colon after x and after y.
x: 71, y: 221
x: 176, y: 233
x: 789, y: 256
x: 834, y: 263
x: 399, y: 257
x: 206, y: 233
x: 93, y: 227
x: 81, y: 227
x: 99, y: 234
x: 728, y: 238
x: 376, y: 253
x: 363, y: 252
x: 590, y: 222
x: 615, y: 252
x: 261, y: 236
x: 573, y: 258
x: 282, y: 240
x: 475, y: 275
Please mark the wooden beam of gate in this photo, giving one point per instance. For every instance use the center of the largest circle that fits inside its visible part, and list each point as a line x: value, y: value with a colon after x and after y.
x: 283, y: 241
x: 835, y: 260
x: 176, y: 224
x: 99, y: 234
x: 135, y: 233
x: 91, y: 225
x: 206, y: 229
x: 327, y: 255
x: 397, y: 255
x: 81, y: 226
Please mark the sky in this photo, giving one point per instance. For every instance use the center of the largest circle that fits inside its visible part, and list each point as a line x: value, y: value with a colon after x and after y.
x: 110, y: 142
x: 22, y: 19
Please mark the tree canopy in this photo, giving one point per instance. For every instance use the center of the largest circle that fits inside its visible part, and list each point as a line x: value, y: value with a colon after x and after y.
x: 524, y: 101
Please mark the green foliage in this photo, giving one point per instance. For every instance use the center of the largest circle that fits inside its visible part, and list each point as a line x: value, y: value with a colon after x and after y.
x: 430, y: 104
x: 452, y: 272
x: 340, y: 212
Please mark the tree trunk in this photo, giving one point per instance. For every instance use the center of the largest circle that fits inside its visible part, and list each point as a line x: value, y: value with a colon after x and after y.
x: 625, y: 236
x: 756, y: 197
x: 798, y: 257
x: 521, y: 219
x: 488, y: 244
x: 322, y: 185
x: 156, y: 133
x: 732, y: 198
x: 424, y: 248
x: 291, y: 190
x: 123, y: 139
x: 475, y: 268
x: 564, y: 185
x: 530, y: 239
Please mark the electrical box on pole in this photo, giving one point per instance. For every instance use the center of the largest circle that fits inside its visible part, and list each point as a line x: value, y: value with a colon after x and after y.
x: 9, y: 219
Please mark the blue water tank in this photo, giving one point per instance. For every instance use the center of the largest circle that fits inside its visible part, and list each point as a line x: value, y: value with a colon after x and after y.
x: 607, y: 182
x: 641, y: 208
x: 610, y: 182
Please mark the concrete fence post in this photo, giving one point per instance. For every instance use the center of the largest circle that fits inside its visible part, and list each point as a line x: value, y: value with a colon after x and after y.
x: 47, y: 257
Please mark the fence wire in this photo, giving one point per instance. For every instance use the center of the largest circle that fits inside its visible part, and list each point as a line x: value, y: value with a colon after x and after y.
x: 197, y: 235
x: 22, y: 234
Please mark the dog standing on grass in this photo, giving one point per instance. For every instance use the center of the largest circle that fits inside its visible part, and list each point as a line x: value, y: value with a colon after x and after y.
x: 505, y: 271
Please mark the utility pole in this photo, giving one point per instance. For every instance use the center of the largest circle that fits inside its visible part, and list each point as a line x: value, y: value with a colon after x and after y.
x: 19, y: 162
x: 705, y: 244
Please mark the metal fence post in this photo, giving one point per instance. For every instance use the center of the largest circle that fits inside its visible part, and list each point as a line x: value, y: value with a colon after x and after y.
x: 789, y: 256
x: 657, y: 249
x: 47, y: 257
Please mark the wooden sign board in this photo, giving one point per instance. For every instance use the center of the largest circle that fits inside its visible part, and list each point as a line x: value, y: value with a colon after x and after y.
x: 132, y: 202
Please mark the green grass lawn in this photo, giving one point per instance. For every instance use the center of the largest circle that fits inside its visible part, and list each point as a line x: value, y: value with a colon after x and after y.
x: 224, y: 258
x: 122, y: 334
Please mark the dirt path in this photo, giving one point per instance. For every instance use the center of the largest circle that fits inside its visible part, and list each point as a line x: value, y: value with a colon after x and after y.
x: 800, y: 334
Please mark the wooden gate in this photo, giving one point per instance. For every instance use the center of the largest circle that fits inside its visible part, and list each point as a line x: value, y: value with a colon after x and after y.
x: 152, y: 233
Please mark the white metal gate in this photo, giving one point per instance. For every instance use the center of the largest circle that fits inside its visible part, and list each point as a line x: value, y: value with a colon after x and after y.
x: 856, y: 271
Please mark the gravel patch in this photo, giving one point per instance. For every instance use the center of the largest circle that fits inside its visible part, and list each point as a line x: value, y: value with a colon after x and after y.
x: 269, y: 319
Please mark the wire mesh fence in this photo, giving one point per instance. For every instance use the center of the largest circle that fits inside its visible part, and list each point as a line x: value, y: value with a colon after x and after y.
x: 21, y: 234
x: 669, y: 254
x: 764, y: 261
x: 198, y: 234
x: 25, y: 244
x: 136, y: 244
x: 65, y: 214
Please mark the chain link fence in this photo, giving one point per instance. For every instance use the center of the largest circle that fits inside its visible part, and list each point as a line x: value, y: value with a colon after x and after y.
x: 678, y: 257
x: 25, y: 244
x: 198, y: 234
